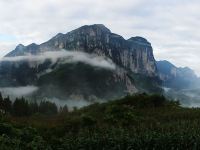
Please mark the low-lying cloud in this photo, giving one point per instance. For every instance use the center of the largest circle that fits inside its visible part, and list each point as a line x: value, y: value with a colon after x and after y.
x: 186, y: 97
x: 65, y: 56
x: 56, y: 57
x: 71, y: 103
x: 27, y: 91
x: 18, y: 91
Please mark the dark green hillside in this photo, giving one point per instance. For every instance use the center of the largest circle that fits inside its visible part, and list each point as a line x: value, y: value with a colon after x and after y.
x: 21, y: 73
x: 81, y: 79
x: 147, y: 84
x: 134, y: 122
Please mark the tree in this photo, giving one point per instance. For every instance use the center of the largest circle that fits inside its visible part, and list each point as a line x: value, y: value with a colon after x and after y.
x: 48, y: 108
x: 21, y: 107
x: 7, y: 104
x: 1, y: 102
x: 88, y: 121
x: 34, y: 108
x: 64, y: 109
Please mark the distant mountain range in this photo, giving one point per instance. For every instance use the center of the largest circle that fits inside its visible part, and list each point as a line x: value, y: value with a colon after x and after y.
x: 176, y: 77
x: 91, y: 63
x: 180, y: 83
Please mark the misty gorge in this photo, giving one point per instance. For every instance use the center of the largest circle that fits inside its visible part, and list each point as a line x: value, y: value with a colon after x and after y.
x: 99, y: 75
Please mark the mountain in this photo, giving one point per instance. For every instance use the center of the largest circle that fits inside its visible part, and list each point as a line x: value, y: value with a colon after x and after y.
x: 179, y: 83
x: 135, y: 54
x: 135, y: 67
x: 176, y: 77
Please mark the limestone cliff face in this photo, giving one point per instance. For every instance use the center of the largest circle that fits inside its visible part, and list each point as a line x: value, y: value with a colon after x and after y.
x: 134, y: 54
x: 142, y: 60
x: 135, y: 64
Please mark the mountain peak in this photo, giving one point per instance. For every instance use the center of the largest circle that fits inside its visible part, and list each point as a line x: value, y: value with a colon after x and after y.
x: 20, y: 46
x: 33, y: 44
x: 102, y: 27
x: 139, y: 40
x: 96, y: 27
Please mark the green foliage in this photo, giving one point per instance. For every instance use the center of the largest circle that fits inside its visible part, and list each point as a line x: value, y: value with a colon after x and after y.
x: 21, y: 107
x: 147, y: 84
x: 142, y: 101
x: 38, y: 143
x: 64, y: 109
x: 7, y: 129
x: 5, y: 104
x: 6, y: 143
x: 120, y: 115
x: 80, y: 78
x: 21, y: 138
x: 34, y: 108
x: 48, y: 108
x: 88, y: 121
x: 134, y: 122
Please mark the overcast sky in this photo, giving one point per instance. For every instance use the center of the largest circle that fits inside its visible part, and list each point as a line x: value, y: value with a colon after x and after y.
x: 172, y: 26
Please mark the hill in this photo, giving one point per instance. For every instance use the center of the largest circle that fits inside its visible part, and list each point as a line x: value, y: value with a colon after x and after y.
x: 136, y: 122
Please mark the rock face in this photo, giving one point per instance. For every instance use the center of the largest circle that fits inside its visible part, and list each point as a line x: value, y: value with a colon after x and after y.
x: 133, y: 58
x: 176, y: 77
x: 134, y: 54
x: 179, y: 83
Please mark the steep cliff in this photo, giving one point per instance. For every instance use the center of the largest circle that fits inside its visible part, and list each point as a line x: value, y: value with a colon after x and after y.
x: 135, y: 69
x: 135, y: 54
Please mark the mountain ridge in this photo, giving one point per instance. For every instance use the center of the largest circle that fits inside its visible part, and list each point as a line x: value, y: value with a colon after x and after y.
x: 136, y: 68
x: 176, y: 77
x: 135, y: 53
x: 135, y: 71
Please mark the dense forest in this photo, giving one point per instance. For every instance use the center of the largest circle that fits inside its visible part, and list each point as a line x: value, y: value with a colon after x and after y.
x: 22, y: 107
x: 134, y: 122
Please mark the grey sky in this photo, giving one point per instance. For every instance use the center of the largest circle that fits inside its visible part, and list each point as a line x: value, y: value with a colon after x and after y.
x: 172, y: 26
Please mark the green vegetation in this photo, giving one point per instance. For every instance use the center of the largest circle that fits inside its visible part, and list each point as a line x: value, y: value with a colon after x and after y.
x: 134, y: 122
x: 23, y: 108
x: 147, y: 84
x: 80, y: 78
